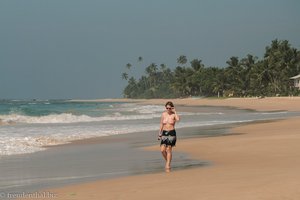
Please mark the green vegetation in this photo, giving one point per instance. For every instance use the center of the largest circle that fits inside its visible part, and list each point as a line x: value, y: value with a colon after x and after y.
x: 246, y: 77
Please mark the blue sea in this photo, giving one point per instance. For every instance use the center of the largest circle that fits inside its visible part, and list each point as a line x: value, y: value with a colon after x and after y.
x: 28, y: 126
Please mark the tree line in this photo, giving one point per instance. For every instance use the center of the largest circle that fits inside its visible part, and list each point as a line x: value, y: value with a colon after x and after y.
x: 246, y: 77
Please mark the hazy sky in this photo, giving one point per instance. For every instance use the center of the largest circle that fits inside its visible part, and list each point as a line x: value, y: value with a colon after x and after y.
x: 79, y: 48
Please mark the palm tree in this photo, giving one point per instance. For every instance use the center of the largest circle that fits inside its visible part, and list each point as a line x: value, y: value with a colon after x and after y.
x: 182, y: 83
x: 248, y: 76
x: 196, y: 65
x: 280, y: 63
x: 247, y: 65
x: 128, y: 65
x: 234, y: 75
x: 182, y: 60
x: 163, y: 67
x: 140, y: 59
x: 125, y: 76
x: 151, y: 70
x: 130, y: 90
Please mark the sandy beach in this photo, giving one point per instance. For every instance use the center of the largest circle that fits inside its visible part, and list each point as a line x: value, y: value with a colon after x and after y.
x: 259, y: 104
x: 258, y: 161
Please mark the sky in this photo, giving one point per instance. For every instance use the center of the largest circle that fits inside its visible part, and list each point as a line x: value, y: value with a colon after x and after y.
x: 78, y: 49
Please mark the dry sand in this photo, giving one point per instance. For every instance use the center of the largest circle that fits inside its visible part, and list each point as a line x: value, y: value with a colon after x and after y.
x: 260, y: 104
x: 260, y: 162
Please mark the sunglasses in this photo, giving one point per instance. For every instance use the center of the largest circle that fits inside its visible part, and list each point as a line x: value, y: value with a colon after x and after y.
x: 169, y: 108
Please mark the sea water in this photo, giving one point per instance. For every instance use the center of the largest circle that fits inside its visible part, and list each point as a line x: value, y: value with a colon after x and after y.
x: 30, y: 125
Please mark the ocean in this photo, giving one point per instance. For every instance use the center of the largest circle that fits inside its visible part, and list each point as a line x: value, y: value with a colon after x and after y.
x: 28, y: 126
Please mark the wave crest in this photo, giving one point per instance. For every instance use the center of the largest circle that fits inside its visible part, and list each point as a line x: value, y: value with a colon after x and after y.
x: 67, y: 118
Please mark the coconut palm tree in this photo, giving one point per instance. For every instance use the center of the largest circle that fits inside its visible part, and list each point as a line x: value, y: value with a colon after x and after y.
x: 140, y: 59
x: 280, y: 64
x: 151, y: 71
x: 247, y: 65
x: 234, y: 75
x: 125, y: 76
x: 182, y: 60
x: 196, y: 65
x: 128, y: 65
x: 163, y: 67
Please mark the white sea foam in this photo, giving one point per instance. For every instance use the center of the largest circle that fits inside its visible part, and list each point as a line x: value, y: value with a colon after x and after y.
x: 28, y: 139
x: 20, y: 145
x: 69, y: 118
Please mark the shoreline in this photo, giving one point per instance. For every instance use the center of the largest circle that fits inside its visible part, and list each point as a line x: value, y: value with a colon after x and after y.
x: 255, y: 161
x: 260, y: 163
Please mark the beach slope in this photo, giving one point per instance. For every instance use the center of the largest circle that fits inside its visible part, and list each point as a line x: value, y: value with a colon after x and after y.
x: 258, y: 161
